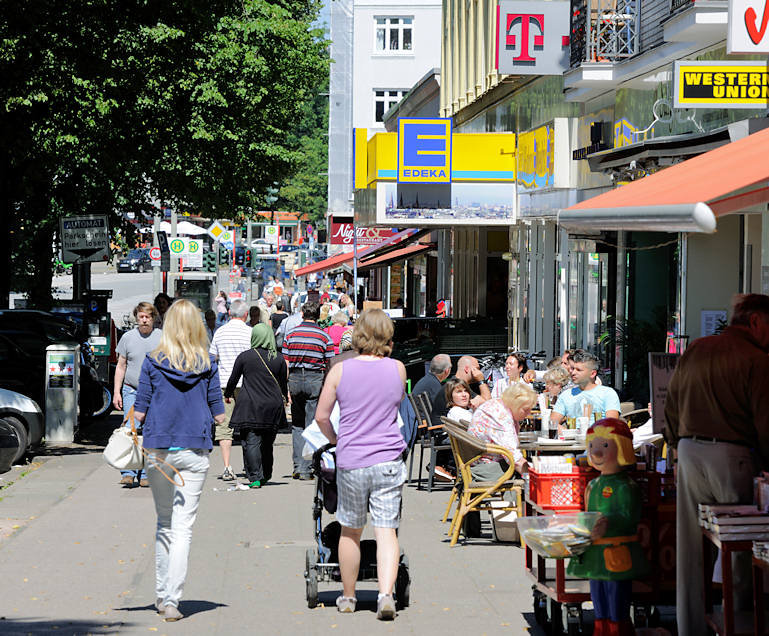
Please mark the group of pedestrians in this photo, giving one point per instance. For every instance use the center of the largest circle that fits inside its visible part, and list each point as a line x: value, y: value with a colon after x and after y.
x: 197, y: 381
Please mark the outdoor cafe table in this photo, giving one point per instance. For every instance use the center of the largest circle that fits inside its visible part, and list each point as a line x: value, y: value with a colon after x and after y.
x: 565, y: 446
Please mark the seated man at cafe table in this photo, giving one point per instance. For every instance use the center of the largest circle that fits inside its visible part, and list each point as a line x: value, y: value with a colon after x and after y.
x: 587, y: 394
x: 469, y: 371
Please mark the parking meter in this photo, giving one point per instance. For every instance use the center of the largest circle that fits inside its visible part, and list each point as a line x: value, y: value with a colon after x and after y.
x: 98, y: 324
x: 61, y: 391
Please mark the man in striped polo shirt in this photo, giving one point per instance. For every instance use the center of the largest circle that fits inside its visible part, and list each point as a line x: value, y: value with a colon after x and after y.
x: 307, y: 350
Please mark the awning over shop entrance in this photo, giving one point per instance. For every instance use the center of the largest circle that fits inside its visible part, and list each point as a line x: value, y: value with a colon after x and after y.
x: 325, y: 264
x: 395, y: 242
x: 685, y: 197
x: 396, y: 255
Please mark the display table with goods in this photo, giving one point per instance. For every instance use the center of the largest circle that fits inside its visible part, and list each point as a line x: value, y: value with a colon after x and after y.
x: 559, y: 538
x: 732, y: 529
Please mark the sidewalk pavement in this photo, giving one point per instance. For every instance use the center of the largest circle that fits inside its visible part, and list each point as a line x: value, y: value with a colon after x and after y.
x: 77, y: 556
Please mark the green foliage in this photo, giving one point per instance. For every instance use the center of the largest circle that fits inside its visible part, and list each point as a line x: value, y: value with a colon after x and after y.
x: 107, y: 107
x: 307, y: 190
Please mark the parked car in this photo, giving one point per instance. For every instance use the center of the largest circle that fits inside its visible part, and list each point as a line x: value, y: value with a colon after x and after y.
x: 26, y: 334
x: 21, y: 371
x: 26, y: 418
x: 9, y: 445
x: 48, y: 326
x: 137, y: 260
x: 260, y: 246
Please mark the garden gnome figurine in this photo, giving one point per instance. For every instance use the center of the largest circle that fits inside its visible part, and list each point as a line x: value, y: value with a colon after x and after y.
x: 615, y: 557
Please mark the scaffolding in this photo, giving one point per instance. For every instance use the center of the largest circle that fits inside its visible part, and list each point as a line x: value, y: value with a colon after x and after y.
x: 604, y: 30
x: 340, y: 134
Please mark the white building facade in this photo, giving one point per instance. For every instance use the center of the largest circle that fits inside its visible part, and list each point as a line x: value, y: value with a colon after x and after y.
x: 379, y: 51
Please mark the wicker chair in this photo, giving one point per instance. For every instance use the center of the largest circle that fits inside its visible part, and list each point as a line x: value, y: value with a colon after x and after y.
x: 477, y: 495
x: 463, y: 424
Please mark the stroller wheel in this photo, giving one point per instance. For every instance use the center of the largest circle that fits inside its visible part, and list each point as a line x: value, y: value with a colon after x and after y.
x: 403, y: 583
x: 311, y: 577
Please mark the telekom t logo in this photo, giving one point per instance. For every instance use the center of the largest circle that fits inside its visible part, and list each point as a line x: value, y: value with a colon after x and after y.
x: 526, y: 20
x: 523, y: 46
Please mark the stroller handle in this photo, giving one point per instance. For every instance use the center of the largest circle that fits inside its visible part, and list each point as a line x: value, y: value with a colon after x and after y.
x: 316, y: 456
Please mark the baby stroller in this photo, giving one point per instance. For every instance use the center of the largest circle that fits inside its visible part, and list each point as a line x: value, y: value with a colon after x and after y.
x: 322, y: 562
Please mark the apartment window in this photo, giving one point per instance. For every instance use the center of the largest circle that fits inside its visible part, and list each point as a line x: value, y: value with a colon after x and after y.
x: 394, y: 34
x: 384, y: 100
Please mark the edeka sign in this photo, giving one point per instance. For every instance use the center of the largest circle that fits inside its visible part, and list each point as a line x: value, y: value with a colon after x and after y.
x: 424, y: 150
x: 533, y: 37
x: 720, y: 85
x: 342, y: 234
x: 748, y: 30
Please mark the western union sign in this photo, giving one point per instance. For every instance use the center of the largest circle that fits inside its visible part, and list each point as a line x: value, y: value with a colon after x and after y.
x: 720, y: 84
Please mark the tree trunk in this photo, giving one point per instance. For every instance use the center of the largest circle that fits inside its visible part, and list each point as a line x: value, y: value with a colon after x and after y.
x: 41, y: 268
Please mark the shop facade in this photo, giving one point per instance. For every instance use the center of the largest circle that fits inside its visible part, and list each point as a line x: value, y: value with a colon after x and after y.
x: 607, y: 120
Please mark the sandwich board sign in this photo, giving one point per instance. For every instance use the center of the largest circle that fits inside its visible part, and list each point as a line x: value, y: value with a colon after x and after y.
x: 84, y: 239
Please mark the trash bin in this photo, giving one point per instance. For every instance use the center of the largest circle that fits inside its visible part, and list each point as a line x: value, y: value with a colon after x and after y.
x: 62, y: 362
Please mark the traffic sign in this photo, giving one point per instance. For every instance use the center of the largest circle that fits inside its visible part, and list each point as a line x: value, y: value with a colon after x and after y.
x: 177, y: 246
x: 165, y: 253
x: 227, y: 239
x: 155, y: 254
x: 84, y: 239
x: 193, y: 254
x: 215, y: 230
x: 190, y: 251
x: 271, y: 234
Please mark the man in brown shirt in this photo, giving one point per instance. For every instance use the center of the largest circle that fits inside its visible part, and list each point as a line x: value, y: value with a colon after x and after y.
x: 717, y: 420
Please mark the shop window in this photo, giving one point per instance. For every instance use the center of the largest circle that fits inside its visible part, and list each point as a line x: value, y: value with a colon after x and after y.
x: 384, y: 100
x: 394, y: 34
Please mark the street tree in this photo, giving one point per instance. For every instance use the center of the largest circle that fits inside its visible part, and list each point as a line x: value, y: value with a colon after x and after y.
x: 109, y: 107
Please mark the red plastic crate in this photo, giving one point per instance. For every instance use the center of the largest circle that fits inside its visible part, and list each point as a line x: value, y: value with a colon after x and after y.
x: 560, y: 491
x: 566, y: 491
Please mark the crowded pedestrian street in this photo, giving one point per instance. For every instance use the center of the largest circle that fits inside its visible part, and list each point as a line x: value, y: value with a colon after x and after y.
x: 354, y: 317
x: 77, y: 557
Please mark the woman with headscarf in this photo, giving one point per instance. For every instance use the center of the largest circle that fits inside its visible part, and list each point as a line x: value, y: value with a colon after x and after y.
x: 259, y: 410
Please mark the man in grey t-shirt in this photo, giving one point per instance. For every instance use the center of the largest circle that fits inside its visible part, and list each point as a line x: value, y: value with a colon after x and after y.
x: 132, y: 349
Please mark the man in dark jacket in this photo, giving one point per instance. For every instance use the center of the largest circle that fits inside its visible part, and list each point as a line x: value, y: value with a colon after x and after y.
x: 717, y: 413
x: 432, y: 382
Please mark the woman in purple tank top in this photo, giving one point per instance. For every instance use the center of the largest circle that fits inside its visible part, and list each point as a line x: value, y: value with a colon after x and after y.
x: 369, y: 453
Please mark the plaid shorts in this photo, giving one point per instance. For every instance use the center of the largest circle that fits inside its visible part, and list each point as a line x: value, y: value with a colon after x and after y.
x: 377, y: 488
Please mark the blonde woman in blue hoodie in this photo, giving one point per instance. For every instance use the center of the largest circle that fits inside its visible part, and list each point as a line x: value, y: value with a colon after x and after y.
x: 178, y: 399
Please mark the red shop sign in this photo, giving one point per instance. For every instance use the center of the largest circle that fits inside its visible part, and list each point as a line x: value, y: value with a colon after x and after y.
x: 341, y: 234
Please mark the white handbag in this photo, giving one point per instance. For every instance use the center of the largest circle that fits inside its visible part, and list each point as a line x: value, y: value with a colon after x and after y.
x: 124, y: 449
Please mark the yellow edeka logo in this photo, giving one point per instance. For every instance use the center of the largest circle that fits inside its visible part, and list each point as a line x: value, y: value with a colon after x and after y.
x: 721, y: 85
x: 424, y: 150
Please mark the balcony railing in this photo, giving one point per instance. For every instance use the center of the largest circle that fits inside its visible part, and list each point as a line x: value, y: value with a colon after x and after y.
x: 675, y: 5
x: 603, y: 30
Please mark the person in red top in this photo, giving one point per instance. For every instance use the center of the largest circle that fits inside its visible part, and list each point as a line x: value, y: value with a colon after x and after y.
x: 337, y: 329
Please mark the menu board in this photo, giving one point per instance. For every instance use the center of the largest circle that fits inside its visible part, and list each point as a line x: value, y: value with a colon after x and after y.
x: 661, y: 368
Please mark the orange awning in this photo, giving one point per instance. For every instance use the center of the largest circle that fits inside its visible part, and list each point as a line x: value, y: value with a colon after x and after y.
x: 726, y: 179
x: 397, y: 255
x: 403, y: 237
x: 328, y: 263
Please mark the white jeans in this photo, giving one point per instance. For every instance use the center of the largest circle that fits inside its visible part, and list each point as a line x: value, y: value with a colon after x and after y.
x: 176, y: 507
